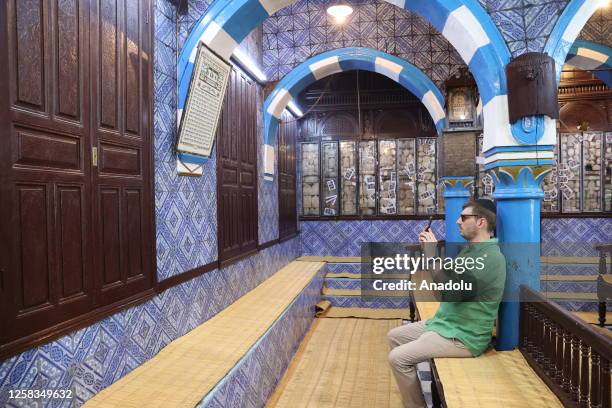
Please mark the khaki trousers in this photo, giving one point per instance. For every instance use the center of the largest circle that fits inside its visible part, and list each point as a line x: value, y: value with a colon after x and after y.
x: 411, y: 344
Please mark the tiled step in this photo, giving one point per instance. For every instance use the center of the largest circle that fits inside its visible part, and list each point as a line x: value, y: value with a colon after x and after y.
x: 368, y: 301
x: 567, y: 269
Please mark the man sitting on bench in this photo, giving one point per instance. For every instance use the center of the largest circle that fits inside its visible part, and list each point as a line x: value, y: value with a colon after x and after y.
x: 460, y: 328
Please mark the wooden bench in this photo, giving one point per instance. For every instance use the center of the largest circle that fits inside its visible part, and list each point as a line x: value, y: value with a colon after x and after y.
x: 494, y: 379
x: 561, y: 361
x: 191, y: 367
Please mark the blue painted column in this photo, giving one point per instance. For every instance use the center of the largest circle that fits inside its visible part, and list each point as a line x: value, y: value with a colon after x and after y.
x: 456, y: 194
x: 518, y: 196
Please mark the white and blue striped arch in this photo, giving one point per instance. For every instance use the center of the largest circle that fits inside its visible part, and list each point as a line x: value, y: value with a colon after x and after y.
x: 339, y: 60
x: 591, y: 56
x: 566, y: 30
x: 464, y: 23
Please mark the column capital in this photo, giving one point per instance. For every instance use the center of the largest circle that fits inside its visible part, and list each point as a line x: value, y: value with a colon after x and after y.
x: 457, y: 186
x: 521, y: 181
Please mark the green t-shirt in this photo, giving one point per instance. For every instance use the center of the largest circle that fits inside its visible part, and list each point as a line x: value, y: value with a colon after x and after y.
x: 471, y: 321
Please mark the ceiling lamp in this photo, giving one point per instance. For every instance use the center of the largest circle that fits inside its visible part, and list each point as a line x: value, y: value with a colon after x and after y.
x: 340, y: 12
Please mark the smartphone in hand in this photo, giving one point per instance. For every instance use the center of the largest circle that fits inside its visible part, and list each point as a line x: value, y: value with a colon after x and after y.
x: 428, y: 228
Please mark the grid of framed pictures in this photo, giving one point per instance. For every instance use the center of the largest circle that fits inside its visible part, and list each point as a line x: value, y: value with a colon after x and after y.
x: 583, y: 165
x: 384, y: 177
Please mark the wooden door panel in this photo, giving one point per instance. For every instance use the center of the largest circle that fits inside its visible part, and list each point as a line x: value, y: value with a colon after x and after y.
x: 237, y: 168
x: 122, y: 211
x: 44, y: 156
x: 134, y: 233
x: 70, y: 237
x: 110, y: 228
x: 287, y: 136
x: 27, y: 54
x: 107, y: 62
x: 122, y: 160
x: 68, y: 85
x: 34, y: 272
x: 44, y: 149
x: 48, y: 62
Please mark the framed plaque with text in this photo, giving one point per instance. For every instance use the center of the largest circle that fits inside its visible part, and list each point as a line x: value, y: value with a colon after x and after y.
x: 460, y: 105
x: 204, y: 102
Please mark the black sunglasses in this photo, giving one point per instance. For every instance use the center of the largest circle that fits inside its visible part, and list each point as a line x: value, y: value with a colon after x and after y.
x: 464, y: 216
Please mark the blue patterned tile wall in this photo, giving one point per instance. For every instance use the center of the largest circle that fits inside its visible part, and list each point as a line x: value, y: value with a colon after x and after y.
x: 253, y: 380
x: 304, y: 29
x: 560, y: 236
x: 574, y: 236
x: 267, y: 191
x: 92, y: 358
x: 186, y: 207
x: 344, y: 238
x: 524, y: 24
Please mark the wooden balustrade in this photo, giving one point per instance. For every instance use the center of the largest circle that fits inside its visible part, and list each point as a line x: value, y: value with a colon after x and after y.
x: 604, y: 287
x: 572, y: 357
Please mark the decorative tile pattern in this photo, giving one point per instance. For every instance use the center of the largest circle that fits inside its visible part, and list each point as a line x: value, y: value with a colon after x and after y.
x: 92, y: 358
x: 574, y: 236
x: 574, y: 287
x: 599, y: 27
x: 344, y: 238
x: 558, y: 269
x: 369, y: 302
x: 344, y: 267
x: 524, y: 24
x: 303, y: 30
x: 296, y: 33
x: 267, y: 191
x: 581, y: 306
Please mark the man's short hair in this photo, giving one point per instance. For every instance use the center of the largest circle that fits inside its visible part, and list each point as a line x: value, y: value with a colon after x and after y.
x: 479, y: 207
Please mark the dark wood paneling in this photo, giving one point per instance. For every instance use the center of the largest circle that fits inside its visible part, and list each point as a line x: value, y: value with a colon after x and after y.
x: 134, y: 239
x: 237, y: 168
x: 107, y: 41
x: 287, y: 212
x: 46, y: 149
x: 70, y: 239
x: 33, y: 223
x: 120, y: 85
x: 29, y: 60
x: 119, y: 159
x: 68, y: 81
x: 110, y: 222
x: 78, y: 76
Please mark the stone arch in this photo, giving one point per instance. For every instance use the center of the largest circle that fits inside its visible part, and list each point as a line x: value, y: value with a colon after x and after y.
x: 346, y: 59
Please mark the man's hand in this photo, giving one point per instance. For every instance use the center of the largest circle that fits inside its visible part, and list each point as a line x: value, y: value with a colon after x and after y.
x: 428, y: 242
x: 427, y: 236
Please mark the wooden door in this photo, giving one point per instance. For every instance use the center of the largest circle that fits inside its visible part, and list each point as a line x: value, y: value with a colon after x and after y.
x: 237, y: 169
x: 287, y: 213
x: 62, y: 217
x: 121, y: 182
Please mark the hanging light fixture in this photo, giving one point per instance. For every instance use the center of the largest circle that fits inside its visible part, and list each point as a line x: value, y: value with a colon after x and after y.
x: 340, y: 11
